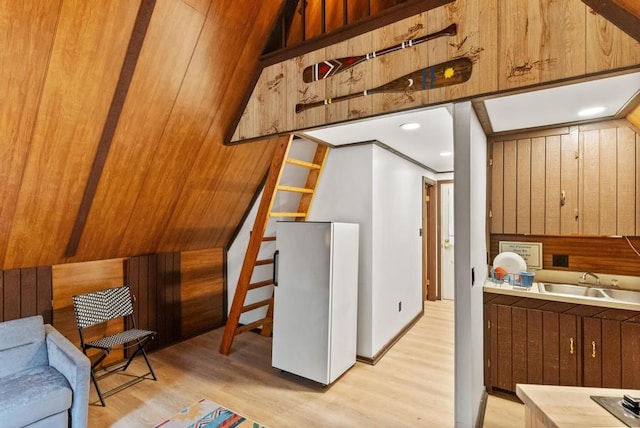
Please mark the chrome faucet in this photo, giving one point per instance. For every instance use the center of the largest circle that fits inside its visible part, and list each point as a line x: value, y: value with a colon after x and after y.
x: 583, y: 279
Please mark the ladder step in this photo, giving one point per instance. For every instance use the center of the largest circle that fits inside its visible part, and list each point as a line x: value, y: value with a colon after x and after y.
x: 251, y: 326
x: 264, y: 262
x: 260, y: 284
x: 302, y: 163
x: 295, y: 189
x: 256, y: 305
x: 268, y: 238
x: 282, y: 214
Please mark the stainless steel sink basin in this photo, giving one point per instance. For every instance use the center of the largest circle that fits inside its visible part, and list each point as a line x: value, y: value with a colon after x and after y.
x: 627, y: 296
x: 624, y: 295
x: 572, y: 290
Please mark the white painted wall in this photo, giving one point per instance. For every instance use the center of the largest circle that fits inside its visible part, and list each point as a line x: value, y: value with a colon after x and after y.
x: 382, y: 192
x: 397, y: 245
x: 345, y: 194
x: 470, y: 253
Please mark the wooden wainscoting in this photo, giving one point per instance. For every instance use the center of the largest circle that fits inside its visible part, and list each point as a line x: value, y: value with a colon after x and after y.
x: 202, y: 291
x: 79, y: 278
x: 179, y: 295
x: 601, y: 254
x: 154, y: 280
x: 25, y: 292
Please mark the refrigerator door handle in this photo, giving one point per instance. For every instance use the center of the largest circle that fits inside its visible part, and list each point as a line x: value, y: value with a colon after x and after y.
x: 275, y: 267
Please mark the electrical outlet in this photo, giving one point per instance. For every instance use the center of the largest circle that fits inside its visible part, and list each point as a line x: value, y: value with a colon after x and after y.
x: 399, y: 306
x: 560, y: 260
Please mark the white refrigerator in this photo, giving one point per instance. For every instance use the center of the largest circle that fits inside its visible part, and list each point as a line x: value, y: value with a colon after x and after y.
x: 316, y: 299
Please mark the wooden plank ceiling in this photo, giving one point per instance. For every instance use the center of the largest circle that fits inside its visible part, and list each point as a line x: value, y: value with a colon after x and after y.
x: 167, y: 182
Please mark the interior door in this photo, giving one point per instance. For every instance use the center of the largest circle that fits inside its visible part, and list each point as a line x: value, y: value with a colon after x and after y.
x: 447, y: 267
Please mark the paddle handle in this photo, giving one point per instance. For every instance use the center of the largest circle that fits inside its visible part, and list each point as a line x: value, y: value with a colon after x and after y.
x: 436, y: 76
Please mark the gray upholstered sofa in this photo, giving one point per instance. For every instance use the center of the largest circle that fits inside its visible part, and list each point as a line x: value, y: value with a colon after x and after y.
x: 44, y: 378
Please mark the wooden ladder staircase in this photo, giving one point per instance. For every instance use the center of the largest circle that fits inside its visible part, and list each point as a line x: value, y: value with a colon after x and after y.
x: 265, y: 212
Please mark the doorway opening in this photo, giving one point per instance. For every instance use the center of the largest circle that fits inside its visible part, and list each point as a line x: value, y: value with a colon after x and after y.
x: 446, y: 240
x: 429, y: 241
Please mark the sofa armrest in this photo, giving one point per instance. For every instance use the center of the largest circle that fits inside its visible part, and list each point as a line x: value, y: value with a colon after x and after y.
x: 76, y: 367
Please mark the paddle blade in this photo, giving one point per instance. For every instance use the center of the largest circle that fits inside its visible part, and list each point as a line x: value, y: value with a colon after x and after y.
x: 436, y: 76
x: 328, y: 68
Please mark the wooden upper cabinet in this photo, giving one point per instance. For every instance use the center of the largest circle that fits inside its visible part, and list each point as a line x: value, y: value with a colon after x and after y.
x: 608, y: 180
x: 567, y: 181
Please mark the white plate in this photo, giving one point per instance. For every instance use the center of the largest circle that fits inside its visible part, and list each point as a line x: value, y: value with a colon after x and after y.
x: 511, y: 262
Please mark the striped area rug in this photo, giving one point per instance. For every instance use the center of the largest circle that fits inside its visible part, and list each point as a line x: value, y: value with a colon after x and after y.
x: 208, y: 414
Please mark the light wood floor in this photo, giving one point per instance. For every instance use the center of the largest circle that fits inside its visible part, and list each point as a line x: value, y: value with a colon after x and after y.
x: 411, y: 386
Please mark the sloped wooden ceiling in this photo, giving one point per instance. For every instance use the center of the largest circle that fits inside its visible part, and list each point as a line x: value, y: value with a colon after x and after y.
x: 167, y: 183
x: 624, y: 14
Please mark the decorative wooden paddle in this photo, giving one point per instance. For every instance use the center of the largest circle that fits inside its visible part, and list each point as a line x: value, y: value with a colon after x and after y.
x: 328, y: 68
x: 436, y: 76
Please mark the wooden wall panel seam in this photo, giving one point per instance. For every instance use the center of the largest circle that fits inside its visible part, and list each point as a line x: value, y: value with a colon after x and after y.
x: 134, y: 48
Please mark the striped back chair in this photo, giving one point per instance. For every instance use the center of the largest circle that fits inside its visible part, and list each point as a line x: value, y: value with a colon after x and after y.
x: 100, y: 307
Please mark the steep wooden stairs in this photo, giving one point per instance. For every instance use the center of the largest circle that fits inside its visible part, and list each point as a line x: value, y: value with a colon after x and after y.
x: 272, y: 186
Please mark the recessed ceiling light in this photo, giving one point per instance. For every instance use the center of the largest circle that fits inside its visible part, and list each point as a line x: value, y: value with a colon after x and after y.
x: 591, y: 111
x: 409, y: 126
x: 446, y: 154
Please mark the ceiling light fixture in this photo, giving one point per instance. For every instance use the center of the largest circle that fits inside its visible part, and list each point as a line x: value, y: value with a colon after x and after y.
x: 446, y: 154
x: 591, y: 111
x: 410, y: 126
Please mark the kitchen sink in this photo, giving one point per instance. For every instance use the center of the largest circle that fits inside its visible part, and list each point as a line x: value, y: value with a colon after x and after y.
x: 624, y: 295
x: 627, y: 296
x: 572, y: 290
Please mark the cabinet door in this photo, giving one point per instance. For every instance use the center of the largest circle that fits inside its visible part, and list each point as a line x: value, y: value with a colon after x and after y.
x: 611, y: 351
x: 502, y: 358
x: 592, y: 357
x: 602, y: 353
x: 608, y: 174
x: 561, y: 349
x: 519, y: 350
x: 630, y: 333
x: 568, y: 350
x: 551, y: 346
x: 535, y: 350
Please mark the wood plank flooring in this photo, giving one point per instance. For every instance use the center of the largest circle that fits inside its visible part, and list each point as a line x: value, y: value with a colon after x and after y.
x: 412, y: 385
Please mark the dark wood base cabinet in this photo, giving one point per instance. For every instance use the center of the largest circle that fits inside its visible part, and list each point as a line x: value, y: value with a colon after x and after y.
x: 537, y: 341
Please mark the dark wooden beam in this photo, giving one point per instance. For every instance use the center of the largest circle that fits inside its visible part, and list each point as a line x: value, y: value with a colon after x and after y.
x: 386, y: 17
x: 122, y: 88
x: 617, y: 15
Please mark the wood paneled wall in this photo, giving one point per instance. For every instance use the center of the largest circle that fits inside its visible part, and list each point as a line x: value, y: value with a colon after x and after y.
x: 586, y: 253
x: 202, y: 291
x: 336, y: 14
x: 169, y: 183
x: 597, y: 169
x: 563, y: 41
x: 79, y: 278
x: 570, y: 180
x: 154, y: 281
x: 25, y: 292
x: 179, y: 295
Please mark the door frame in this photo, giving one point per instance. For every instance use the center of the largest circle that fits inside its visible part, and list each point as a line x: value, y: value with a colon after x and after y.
x: 439, y: 238
x: 429, y: 241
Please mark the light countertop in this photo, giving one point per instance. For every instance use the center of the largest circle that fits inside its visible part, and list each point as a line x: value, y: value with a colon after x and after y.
x: 568, y: 406
x: 534, y: 293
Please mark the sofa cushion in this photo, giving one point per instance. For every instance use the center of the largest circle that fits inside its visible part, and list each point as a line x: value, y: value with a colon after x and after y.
x: 22, y: 345
x: 33, y: 394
